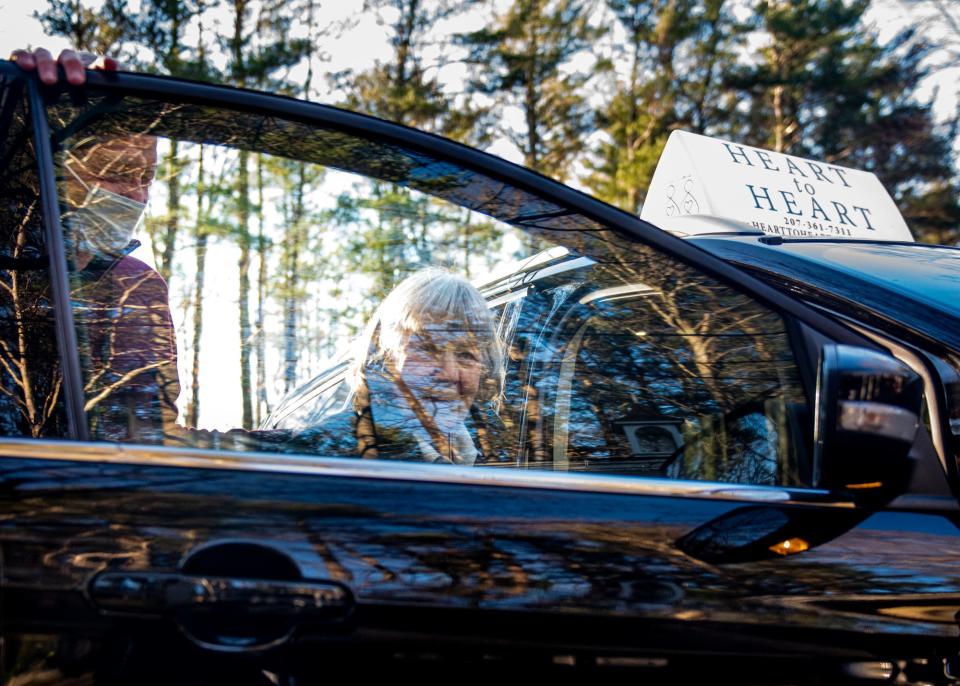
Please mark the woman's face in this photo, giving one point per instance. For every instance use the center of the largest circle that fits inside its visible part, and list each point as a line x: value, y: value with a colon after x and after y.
x: 443, y: 366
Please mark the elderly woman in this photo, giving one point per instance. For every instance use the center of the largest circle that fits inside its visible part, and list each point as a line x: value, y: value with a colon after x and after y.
x: 426, y: 383
x: 428, y: 373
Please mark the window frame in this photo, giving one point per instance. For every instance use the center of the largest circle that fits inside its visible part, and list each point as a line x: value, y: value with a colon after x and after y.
x: 629, y: 226
x: 66, y: 333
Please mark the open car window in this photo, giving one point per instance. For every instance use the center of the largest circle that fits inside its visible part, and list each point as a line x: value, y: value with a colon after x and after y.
x: 226, y: 267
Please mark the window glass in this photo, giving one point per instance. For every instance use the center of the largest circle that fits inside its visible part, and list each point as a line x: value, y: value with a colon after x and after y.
x: 246, y: 282
x: 670, y: 376
x: 31, y: 394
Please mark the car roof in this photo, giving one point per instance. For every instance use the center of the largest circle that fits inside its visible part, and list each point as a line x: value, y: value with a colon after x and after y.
x: 914, y: 284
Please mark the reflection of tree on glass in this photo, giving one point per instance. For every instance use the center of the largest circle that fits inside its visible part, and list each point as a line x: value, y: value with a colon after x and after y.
x: 127, y: 336
x: 670, y: 349
x: 31, y: 397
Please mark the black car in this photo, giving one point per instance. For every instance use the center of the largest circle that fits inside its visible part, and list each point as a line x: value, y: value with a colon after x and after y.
x: 687, y: 469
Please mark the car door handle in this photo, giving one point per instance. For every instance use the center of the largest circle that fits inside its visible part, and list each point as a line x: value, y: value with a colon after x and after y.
x: 157, y: 593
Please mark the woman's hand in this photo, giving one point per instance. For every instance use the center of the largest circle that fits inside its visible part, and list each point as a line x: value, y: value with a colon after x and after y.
x: 74, y: 64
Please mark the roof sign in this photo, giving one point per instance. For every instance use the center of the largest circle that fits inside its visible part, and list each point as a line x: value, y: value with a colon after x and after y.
x: 699, y: 177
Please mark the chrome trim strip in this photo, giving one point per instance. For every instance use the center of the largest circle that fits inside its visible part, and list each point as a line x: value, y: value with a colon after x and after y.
x: 618, y: 292
x: 509, y: 296
x: 565, y: 266
x: 492, y: 278
x: 118, y: 453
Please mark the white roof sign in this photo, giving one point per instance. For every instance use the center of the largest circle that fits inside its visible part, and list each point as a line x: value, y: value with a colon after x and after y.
x: 701, y: 177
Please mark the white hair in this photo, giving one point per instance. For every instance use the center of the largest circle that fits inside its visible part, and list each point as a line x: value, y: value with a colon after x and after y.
x: 431, y: 296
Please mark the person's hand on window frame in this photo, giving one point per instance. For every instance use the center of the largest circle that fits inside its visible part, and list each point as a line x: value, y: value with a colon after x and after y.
x: 74, y: 63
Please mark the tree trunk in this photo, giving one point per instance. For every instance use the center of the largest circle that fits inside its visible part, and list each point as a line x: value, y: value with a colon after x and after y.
x: 21, y: 363
x: 200, y: 236
x: 296, y: 240
x: 262, y: 407
x: 165, y: 261
x: 778, y: 124
x: 243, y: 239
x: 466, y: 244
x: 405, y: 28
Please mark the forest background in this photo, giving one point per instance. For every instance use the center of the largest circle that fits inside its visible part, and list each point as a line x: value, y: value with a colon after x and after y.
x: 585, y: 91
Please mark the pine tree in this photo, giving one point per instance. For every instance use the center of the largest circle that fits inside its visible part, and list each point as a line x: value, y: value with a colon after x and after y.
x: 160, y: 27
x: 256, y: 49
x: 201, y: 236
x: 675, y: 51
x: 403, y: 230
x: 524, y: 61
x: 827, y: 89
x: 100, y: 31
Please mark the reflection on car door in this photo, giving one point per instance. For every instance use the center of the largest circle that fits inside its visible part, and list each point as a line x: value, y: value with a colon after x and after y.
x: 149, y: 561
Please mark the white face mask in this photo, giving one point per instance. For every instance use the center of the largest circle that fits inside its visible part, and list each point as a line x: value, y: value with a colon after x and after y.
x: 105, y: 221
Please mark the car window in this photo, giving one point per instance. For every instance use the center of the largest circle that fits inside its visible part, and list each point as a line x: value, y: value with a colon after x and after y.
x: 669, y: 376
x: 241, y: 281
x: 31, y: 398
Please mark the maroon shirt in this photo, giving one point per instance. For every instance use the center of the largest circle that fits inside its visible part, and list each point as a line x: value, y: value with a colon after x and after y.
x: 128, y: 349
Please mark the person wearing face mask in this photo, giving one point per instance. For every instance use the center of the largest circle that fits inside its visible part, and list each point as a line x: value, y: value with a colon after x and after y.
x: 120, y: 304
x: 107, y: 184
x: 121, y: 308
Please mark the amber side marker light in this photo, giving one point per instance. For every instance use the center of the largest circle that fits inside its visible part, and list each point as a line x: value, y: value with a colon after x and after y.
x: 791, y: 546
x: 869, y: 484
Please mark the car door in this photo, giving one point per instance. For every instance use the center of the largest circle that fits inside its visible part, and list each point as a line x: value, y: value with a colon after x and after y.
x: 150, y: 532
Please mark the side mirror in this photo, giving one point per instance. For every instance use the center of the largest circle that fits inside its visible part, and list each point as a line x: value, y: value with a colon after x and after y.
x: 867, y: 415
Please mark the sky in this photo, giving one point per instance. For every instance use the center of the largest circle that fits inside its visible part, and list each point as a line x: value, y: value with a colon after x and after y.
x: 364, y: 44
